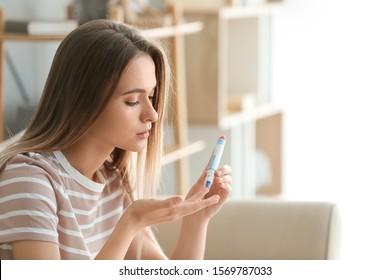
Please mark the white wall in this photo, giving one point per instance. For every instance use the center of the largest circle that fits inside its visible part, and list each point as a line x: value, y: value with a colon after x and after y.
x: 331, y: 73
x: 32, y: 60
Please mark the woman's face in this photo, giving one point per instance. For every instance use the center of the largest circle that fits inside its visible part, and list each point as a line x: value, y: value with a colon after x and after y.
x: 126, y: 121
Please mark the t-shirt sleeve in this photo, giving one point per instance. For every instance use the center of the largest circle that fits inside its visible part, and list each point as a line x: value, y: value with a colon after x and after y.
x: 28, y: 207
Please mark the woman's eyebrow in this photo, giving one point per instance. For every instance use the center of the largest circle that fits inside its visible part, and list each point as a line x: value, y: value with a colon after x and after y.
x: 134, y: 90
x: 138, y: 90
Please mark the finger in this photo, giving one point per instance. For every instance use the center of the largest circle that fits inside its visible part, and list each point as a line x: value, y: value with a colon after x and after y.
x: 221, y: 183
x: 227, y: 187
x: 168, y: 202
x: 226, y: 169
x: 164, y: 204
x: 168, y: 209
x: 197, y: 196
x: 224, y: 179
x: 223, y: 170
x: 192, y: 207
x: 183, y: 209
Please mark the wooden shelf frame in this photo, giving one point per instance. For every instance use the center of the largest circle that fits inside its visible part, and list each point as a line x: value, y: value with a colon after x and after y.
x: 231, y: 68
x: 159, y: 32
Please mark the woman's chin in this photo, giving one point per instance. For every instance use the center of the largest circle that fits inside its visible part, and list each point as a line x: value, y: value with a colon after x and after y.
x: 135, y: 148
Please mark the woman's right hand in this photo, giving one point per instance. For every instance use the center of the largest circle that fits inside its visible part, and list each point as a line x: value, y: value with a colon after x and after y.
x: 147, y: 212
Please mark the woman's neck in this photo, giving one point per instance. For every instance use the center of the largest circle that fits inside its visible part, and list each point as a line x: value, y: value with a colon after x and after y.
x: 87, y: 157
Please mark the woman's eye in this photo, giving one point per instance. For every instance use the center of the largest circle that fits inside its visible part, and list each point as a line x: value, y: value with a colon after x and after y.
x: 131, y: 104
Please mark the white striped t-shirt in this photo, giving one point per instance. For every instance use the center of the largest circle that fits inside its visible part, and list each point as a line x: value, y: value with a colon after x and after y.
x: 42, y: 197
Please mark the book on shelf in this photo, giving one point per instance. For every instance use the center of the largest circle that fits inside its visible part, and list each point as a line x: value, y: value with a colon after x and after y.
x: 41, y: 27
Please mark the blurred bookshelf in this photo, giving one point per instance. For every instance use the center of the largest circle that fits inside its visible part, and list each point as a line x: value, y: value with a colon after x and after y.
x: 229, y: 88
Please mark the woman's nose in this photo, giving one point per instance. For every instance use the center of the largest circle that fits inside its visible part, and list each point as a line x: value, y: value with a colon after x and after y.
x: 150, y: 114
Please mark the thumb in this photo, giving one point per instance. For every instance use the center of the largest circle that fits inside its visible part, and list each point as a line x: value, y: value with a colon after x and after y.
x: 202, y: 177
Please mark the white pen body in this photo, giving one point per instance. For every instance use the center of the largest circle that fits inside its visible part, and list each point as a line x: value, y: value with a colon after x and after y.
x: 214, y: 162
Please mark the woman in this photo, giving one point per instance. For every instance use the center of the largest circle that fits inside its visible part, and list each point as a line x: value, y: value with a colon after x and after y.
x: 80, y: 181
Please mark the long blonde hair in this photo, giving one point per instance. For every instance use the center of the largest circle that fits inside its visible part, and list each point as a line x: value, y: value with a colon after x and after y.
x: 83, y: 76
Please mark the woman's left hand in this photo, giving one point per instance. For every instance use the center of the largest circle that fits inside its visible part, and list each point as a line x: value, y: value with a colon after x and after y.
x: 221, y: 187
x: 192, y: 240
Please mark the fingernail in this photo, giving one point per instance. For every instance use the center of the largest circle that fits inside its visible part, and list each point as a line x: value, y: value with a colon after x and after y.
x: 219, y: 172
x: 178, y: 200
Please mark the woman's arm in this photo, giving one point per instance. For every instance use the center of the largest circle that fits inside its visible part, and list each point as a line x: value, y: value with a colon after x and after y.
x: 192, y: 239
x: 114, y: 248
x: 144, y: 213
x: 35, y: 250
x: 120, y: 239
x: 146, y: 247
x: 190, y: 245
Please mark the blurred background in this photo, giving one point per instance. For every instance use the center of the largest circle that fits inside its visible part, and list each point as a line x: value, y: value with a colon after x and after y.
x: 323, y: 67
x: 331, y: 66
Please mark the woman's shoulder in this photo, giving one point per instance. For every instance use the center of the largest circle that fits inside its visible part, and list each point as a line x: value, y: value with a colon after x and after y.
x: 31, y: 158
x: 31, y: 177
x: 33, y: 163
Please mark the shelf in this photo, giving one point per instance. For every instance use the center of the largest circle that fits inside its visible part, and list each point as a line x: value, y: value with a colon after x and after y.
x: 229, y: 89
x: 231, y: 11
x: 233, y: 64
x: 26, y: 37
x: 174, y: 154
x: 159, y: 32
x: 244, y: 12
x: 175, y: 30
x: 254, y: 114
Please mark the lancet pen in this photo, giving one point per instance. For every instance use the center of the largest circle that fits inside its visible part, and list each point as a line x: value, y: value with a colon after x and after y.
x: 214, y: 162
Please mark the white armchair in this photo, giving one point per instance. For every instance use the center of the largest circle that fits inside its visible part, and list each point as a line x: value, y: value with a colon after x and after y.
x: 263, y: 229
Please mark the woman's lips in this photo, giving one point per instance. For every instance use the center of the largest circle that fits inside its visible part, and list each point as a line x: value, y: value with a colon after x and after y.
x: 143, y: 135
